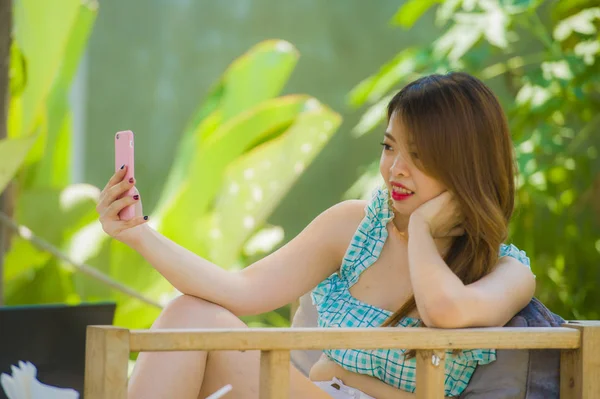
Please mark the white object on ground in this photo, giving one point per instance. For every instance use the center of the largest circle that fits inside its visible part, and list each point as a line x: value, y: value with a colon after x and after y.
x: 221, y: 392
x: 23, y: 384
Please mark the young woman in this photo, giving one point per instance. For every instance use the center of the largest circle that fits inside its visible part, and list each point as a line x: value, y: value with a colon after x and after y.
x: 427, y: 250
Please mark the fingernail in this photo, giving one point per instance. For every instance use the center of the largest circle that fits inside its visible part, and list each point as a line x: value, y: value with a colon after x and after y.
x: 131, y: 180
x: 136, y: 197
x: 122, y: 166
x: 145, y: 217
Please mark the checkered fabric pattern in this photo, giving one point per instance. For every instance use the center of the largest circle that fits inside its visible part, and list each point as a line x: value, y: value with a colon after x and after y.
x: 338, y: 308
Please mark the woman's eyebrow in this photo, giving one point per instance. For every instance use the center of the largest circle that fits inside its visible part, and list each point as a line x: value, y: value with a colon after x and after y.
x: 389, y: 136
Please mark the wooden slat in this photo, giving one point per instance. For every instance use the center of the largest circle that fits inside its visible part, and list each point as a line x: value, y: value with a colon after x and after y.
x: 354, y: 338
x: 430, y: 374
x: 274, y: 375
x: 580, y: 368
x: 569, y: 374
x: 106, y: 361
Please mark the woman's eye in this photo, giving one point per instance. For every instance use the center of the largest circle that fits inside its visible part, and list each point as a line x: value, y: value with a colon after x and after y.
x: 386, y: 147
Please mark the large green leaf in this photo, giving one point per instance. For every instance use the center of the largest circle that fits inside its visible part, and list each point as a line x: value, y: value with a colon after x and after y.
x: 256, y: 182
x: 204, y: 178
x: 49, y: 40
x: 12, y: 155
x: 42, y: 31
x: 256, y: 76
x: 54, y: 167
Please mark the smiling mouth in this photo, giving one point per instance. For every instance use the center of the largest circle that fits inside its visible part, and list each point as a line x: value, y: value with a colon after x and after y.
x: 402, y: 190
x: 400, y: 193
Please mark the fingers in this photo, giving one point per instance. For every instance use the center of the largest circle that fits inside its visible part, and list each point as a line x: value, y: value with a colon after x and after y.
x: 117, y: 177
x: 138, y: 209
x: 112, y: 211
x: 112, y: 193
x: 116, y: 227
x: 445, y: 197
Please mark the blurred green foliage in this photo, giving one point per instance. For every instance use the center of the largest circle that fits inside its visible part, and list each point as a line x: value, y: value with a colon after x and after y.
x: 542, y: 57
x: 242, y: 151
x: 44, y: 58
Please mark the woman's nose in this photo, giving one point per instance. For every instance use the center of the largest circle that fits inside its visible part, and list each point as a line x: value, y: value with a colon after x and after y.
x: 399, y: 167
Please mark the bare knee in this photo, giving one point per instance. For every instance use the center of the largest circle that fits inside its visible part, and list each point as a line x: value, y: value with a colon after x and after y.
x: 191, y: 304
x: 187, y: 311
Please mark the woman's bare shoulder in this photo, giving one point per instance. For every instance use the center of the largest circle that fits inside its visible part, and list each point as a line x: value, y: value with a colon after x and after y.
x: 346, y: 217
x: 353, y: 209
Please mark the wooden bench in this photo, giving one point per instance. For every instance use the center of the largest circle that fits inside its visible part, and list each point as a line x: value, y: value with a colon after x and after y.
x: 108, y: 350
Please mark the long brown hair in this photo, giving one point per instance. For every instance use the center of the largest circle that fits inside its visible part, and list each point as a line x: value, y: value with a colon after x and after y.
x: 461, y: 134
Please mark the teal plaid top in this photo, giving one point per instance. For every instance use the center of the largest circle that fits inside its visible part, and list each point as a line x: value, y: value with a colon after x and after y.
x: 338, y: 308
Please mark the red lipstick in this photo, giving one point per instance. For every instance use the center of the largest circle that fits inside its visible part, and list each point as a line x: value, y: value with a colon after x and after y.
x: 397, y: 195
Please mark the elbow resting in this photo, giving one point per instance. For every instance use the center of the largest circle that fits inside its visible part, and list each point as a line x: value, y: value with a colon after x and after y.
x: 444, y: 312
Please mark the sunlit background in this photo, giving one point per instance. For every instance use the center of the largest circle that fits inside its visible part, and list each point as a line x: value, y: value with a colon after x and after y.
x: 252, y: 117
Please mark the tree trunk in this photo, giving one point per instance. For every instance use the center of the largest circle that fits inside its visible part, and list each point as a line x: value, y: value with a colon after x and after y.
x: 5, y: 41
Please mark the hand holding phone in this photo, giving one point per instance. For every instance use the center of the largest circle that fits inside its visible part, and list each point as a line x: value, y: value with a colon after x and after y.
x: 124, y: 155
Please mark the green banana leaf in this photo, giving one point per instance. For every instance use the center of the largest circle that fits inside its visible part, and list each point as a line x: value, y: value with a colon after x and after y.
x: 212, y: 157
x: 256, y: 182
x: 258, y: 75
x: 54, y: 167
x: 42, y: 33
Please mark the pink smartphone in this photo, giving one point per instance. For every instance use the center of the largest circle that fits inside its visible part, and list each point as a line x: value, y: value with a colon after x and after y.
x: 124, y: 156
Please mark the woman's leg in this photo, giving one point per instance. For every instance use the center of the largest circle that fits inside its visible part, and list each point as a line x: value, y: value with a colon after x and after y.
x: 198, y: 374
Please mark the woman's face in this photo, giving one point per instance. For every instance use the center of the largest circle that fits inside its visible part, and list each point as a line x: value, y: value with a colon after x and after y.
x: 409, y: 186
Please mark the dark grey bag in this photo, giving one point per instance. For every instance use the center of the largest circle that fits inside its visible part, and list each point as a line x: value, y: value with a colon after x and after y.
x: 521, y: 374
